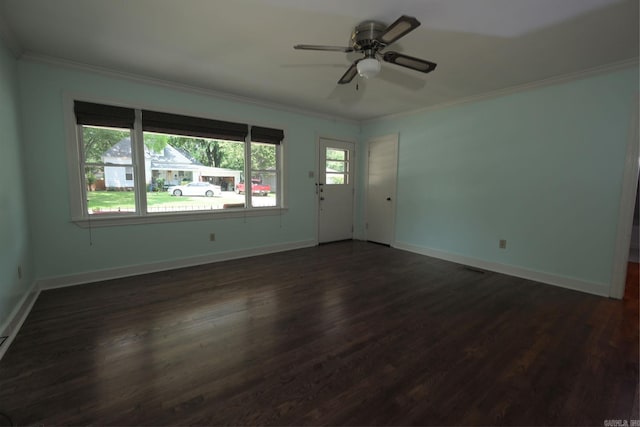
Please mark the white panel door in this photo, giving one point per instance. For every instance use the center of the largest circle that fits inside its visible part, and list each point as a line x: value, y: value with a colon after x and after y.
x: 335, y: 190
x: 381, y: 189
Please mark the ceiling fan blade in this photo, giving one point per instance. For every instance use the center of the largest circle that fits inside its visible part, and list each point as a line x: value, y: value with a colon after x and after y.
x: 349, y: 75
x: 403, y: 26
x: 410, y: 62
x: 320, y: 47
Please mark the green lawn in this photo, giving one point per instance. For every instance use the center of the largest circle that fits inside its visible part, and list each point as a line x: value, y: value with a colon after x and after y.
x: 124, y: 201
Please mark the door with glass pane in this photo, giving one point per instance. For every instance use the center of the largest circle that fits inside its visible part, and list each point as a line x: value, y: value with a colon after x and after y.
x: 335, y: 190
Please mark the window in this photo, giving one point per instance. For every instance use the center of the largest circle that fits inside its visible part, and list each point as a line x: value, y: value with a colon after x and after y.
x: 193, y: 174
x: 337, y: 166
x: 265, y: 165
x: 140, y: 163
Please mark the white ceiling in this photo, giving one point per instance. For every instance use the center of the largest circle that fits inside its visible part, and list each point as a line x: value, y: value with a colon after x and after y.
x: 245, y: 47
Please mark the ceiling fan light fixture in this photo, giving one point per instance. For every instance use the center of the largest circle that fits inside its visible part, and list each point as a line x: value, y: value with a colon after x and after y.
x: 370, y: 38
x: 368, y: 67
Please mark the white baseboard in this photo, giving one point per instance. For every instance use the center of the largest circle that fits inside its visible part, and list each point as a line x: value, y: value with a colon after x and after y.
x: 134, y: 270
x: 538, y: 276
x: 17, y: 317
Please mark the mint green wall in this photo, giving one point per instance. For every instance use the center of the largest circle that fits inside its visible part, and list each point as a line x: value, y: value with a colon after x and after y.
x: 541, y: 168
x: 61, y: 248
x: 14, y: 230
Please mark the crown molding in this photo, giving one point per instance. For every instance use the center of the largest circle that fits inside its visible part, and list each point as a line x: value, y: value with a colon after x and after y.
x: 9, y: 40
x: 550, y: 81
x: 167, y: 84
x: 137, y: 78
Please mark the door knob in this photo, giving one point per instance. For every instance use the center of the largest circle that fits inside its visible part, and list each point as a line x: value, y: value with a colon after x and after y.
x: 388, y: 199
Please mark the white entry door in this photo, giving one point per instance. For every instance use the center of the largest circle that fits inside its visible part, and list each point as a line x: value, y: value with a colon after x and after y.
x: 381, y: 189
x: 335, y: 190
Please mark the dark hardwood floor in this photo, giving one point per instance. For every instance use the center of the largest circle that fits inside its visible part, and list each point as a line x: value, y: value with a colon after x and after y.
x: 342, y: 334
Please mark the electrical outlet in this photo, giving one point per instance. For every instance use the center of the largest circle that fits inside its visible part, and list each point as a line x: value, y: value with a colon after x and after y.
x: 503, y: 244
x: 19, y: 272
x: 212, y: 237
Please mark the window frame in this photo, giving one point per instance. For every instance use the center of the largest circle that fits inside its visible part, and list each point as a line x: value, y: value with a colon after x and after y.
x: 78, y: 208
x: 346, y: 173
x: 83, y: 165
x: 249, y: 178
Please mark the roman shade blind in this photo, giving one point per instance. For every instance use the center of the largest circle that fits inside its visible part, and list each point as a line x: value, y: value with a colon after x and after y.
x: 266, y: 135
x: 154, y: 121
x: 88, y: 113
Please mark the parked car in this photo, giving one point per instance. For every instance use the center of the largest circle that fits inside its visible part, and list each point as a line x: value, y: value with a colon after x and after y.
x: 196, y: 189
x: 256, y: 188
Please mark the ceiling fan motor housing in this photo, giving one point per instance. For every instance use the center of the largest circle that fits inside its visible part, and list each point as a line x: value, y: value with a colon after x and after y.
x: 370, y: 38
x: 366, y: 36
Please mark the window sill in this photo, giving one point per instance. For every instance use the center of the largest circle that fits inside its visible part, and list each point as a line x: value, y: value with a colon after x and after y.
x: 118, y: 220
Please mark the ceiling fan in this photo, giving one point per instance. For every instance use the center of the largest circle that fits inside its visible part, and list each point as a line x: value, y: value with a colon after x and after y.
x: 371, y: 38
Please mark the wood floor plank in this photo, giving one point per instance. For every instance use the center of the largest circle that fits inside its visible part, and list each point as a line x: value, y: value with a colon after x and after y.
x: 349, y: 333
